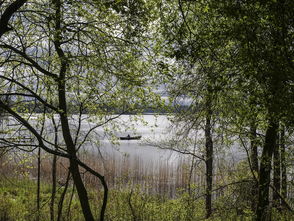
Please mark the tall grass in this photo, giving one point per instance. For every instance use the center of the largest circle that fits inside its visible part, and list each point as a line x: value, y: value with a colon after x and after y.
x: 139, y: 190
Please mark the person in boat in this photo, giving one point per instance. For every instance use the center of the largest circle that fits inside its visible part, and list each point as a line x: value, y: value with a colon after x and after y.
x: 128, y: 136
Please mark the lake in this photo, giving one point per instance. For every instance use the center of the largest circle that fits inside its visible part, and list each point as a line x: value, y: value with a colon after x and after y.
x: 133, y: 161
x: 150, y: 127
x: 104, y: 140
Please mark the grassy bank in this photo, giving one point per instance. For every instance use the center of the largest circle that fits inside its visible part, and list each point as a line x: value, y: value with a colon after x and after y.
x: 18, y: 203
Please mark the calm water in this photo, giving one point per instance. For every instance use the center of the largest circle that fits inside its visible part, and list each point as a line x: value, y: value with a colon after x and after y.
x: 104, y: 140
x: 130, y: 162
x: 152, y: 129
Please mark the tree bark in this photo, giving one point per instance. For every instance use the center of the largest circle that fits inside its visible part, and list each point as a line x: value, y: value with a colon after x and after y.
x: 7, y: 14
x: 53, y: 191
x: 254, y: 164
x: 74, y: 167
x: 70, y: 203
x: 253, y: 147
x: 262, y: 211
x: 208, y: 159
x: 38, y: 183
x: 54, y: 170
x: 283, y: 165
x: 277, y: 175
x: 62, y: 197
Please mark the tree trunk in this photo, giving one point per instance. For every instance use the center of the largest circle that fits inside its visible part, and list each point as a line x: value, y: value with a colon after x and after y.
x: 38, y: 184
x: 262, y: 211
x: 253, y: 147
x: 54, y: 169
x: 283, y: 164
x: 254, y: 164
x: 74, y: 167
x: 209, y: 159
x: 70, y: 204
x: 62, y: 197
x: 277, y: 175
x: 53, y: 191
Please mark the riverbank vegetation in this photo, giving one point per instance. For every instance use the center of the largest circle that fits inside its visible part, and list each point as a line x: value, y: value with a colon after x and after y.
x: 126, y: 202
x: 224, y: 69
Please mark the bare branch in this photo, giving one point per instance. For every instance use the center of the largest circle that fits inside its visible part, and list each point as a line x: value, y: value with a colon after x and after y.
x: 33, y: 63
x: 33, y: 94
x: 8, y: 13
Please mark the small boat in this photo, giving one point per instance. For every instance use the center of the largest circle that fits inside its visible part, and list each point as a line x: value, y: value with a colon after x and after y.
x: 130, y: 137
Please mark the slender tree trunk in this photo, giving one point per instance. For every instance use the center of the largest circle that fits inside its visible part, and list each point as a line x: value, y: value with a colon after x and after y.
x: 283, y: 164
x: 53, y: 191
x: 253, y: 147
x: 263, y: 210
x: 38, y: 184
x: 39, y: 169
x: 70, y: 203
x: 74, y: 167
x: 277, y: 174
x: 62, y: 197
x: 254, y: 164
x: 54, y: 169
x: 209, y: 159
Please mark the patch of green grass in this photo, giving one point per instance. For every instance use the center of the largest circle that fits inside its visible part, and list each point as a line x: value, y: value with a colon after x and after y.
x: 18, y: 203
